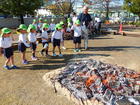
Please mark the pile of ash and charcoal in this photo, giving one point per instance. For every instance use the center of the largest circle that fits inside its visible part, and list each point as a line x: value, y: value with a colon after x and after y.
x: 91, y: 79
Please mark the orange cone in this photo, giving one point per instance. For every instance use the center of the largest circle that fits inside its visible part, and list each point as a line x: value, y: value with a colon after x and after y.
x: 120, y: 30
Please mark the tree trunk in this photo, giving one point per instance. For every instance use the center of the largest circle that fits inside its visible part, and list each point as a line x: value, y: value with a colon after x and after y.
x: 139, y: 17
x: 107, y: 10
x: 21, y: 19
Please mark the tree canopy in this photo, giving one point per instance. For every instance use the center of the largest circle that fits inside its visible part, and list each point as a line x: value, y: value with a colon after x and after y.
x: 132, y: 6
x: 104, y: 5
x: 19, y: 7
x: 61, y: 7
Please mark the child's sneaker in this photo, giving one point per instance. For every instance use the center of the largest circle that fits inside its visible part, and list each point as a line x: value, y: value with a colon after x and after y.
x: 54, y: 55
x: 60, y: 55
x: 14, y: 67
x: 6, y: 67
x: 78, y: 50
x: 64, y: 48
x: 74, y: 50
x: 25, y: 62
x: 41, y: 52
x: 34, y: 58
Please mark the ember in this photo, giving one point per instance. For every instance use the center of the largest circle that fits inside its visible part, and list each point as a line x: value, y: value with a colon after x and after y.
x: 91, y: 79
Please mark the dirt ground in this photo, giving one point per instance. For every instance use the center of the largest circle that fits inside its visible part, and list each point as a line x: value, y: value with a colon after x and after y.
x: 27, y: 87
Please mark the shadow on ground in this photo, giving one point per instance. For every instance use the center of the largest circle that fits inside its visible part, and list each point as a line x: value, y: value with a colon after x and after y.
x: 101, y: 38
x: 112, y: 48
x: 52, y: 63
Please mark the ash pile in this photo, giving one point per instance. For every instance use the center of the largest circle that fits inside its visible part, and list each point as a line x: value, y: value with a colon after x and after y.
x: 91, y: 79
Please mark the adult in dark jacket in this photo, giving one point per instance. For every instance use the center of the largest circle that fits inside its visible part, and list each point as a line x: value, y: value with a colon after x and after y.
x: 84, y: 17
x: 85, y: 20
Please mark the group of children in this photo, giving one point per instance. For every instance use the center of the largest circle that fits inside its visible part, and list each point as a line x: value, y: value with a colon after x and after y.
x: 57, y: 39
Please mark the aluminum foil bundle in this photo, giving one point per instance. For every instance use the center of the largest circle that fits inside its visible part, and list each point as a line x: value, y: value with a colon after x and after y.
x: 94, y: 79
